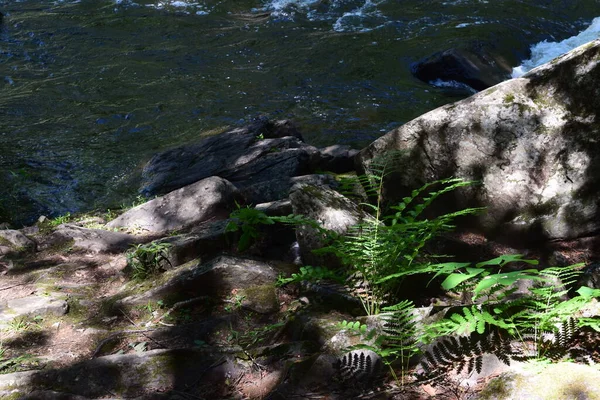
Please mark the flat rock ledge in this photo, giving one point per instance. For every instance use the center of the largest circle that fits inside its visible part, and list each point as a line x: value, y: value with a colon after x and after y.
x: 31, y: 305
x: 124, y: 375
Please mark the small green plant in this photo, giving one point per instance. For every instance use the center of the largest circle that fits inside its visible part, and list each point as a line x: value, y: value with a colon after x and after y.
x: 353, y: 326
x: 234, y: 303
x: 137, y: 201
x: 384, y: 249
x: 148, y: 259
x: 247, y: 220
x: 260, y: 136
x: 259, y: 335
x: 19, y: 324
x: 109, y: 215
x: 63, y: 219
x: 10, y: 364
x: 139, y: 347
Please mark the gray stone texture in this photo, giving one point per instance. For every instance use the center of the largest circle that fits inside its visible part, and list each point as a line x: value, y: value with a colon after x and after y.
x: 209, y: 199
x: 532, y: 142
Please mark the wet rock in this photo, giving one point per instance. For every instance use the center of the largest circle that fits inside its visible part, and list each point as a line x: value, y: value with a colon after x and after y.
x: 328, y: 208
x: 87, y: 240
x: 476, y: 68
x: 217, y: 277
x: 531, y: 142
x: 209, y: 199
x: 31, y: 306
x: 244, y: 156
x: 14, y: 242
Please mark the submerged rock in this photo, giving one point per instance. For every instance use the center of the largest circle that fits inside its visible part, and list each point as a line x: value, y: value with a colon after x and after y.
x: 476, y: 69
x: 531, y: 142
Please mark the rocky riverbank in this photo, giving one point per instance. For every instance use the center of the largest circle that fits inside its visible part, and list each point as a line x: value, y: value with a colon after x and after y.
x: 164, y: 302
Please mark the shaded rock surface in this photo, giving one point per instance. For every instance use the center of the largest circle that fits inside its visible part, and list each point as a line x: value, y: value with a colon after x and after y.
x: 129, y: 375
x: 328, y: 208
x: 277, y: 188
x: 205, y: 241
x: 260, y: 159
x: 217, y: 277
x: 209, y: 199
x: 240, y: 155
x: 532, y: 142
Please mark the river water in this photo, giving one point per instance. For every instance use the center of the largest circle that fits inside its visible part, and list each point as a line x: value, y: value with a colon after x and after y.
x: 90, y: 89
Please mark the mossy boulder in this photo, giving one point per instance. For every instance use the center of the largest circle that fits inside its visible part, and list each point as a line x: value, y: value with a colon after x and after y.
x: 550, y: 382
x: 260, y: 298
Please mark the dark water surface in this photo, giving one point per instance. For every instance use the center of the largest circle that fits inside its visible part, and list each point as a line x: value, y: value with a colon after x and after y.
x: 91, y: 89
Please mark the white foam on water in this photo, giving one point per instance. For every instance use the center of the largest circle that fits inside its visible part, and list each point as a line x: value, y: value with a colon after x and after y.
x: 279, y: 6
x: 186, y: 6
x: 545, y: 51
x: 363, y: 19
x: 465, y: 24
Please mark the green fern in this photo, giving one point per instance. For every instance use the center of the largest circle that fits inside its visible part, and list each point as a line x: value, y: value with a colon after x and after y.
x: 310, y: 274
x: 382, y: 250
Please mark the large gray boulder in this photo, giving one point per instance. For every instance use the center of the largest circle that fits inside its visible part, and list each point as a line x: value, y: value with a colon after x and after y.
x: 532, y: 142
x: 212, y: 198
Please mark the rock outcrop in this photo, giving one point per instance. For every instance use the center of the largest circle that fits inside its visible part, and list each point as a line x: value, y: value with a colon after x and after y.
x: 532, y: 142
x: 255, y: 153
x: 88, y: 240
x: 263, y: 160
x: 211, y: 198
